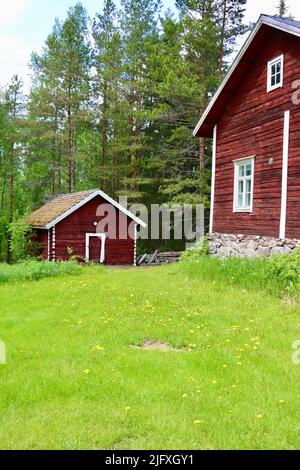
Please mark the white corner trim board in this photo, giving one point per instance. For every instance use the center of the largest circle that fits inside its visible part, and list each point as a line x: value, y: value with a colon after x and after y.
x: 102, y: 237
x: 49, y: 256
x: 53, y: 243
x: 213, y: 177
x: 135, y: 243
x: 285, y: 165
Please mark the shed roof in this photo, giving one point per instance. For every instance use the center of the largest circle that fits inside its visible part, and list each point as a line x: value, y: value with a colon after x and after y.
x: 63, y: 205
x: 241, y: 64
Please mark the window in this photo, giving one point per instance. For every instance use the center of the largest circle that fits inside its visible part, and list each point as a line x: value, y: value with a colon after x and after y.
x: 243, y: 184
x: 275, y: 73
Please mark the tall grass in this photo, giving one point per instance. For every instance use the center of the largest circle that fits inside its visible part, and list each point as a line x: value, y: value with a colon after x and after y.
x: 278, y: 274
x: 34, y: 270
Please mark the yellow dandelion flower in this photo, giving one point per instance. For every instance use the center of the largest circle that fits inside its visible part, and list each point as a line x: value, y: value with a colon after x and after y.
x: 98, y: 348
x: 127, y: 408
x: 214, y: 382
x: 198, y: 421
x: 184, y: 395
x: 86, y: 371
x: 281, y: 402
x: 258, y: 416
x: 225, y: 366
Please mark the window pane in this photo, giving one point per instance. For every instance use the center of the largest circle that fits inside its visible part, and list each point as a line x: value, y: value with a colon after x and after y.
x: 241, y: 186
x: 241, y: 170
x: 278, y: 67
x: 273, y: 69
x: 273, y: 81
x: 248, y: 169
x: 240, y: 200
x: 278, y: 78
x: 248, y: 186
x: 248, y: 199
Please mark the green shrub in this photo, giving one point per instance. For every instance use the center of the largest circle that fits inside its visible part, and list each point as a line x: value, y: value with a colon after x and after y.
x: 20, y: 241
x: 195, y: 253
x: 35, y: 270
x: 278, y: 274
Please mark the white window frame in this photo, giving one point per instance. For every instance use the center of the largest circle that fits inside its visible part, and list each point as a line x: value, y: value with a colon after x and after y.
x: 237, y: 178
x: 271, y: 87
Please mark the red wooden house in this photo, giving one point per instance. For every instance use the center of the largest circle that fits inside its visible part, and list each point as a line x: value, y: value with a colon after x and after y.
x: 76, y: 224
x: 254, y: 119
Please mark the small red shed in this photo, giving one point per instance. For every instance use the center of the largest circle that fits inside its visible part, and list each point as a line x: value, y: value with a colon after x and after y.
x: 87, y: 224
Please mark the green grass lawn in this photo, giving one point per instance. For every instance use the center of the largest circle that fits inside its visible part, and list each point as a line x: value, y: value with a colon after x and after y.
x: 74, y: 381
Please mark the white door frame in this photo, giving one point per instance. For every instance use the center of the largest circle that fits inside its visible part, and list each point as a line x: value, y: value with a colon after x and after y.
x: 102, y: 237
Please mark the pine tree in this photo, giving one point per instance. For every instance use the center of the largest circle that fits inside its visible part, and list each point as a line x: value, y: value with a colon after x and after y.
x: 139, y: 22
x: 63, y: 70
x: 282, y: 10
x: 14, y: 107
x: 229, y: 15
x: 210, y: 31
x: 108, y: 63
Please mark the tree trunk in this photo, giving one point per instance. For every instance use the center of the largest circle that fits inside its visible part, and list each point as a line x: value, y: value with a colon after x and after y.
x: 74, y: 164
x: 69, y: 143
x: 3, y: 192
x: 69, y: 155
x: 222, y: 39
x: 10, y: 216
x: 59, y: 170
x: 53, y: 178
x: 104, y: 125
x: 202, y: 154
x: 114, y: 183
x: 11, y: 198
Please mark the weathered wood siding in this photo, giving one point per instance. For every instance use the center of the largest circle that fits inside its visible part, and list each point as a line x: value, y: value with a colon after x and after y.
x: 252, y: 124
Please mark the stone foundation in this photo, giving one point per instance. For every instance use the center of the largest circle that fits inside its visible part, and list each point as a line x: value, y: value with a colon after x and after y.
x: 223, y: 244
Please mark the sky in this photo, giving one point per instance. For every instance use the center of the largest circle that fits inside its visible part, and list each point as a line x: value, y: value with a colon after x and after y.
x: 25, y: 24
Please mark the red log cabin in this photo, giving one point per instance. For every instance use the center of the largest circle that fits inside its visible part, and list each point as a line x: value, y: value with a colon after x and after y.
x: 254, y: 120
x: 76, y: 224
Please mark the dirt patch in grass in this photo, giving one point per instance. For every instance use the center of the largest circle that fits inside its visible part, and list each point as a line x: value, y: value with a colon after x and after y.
x: 155, y: 345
